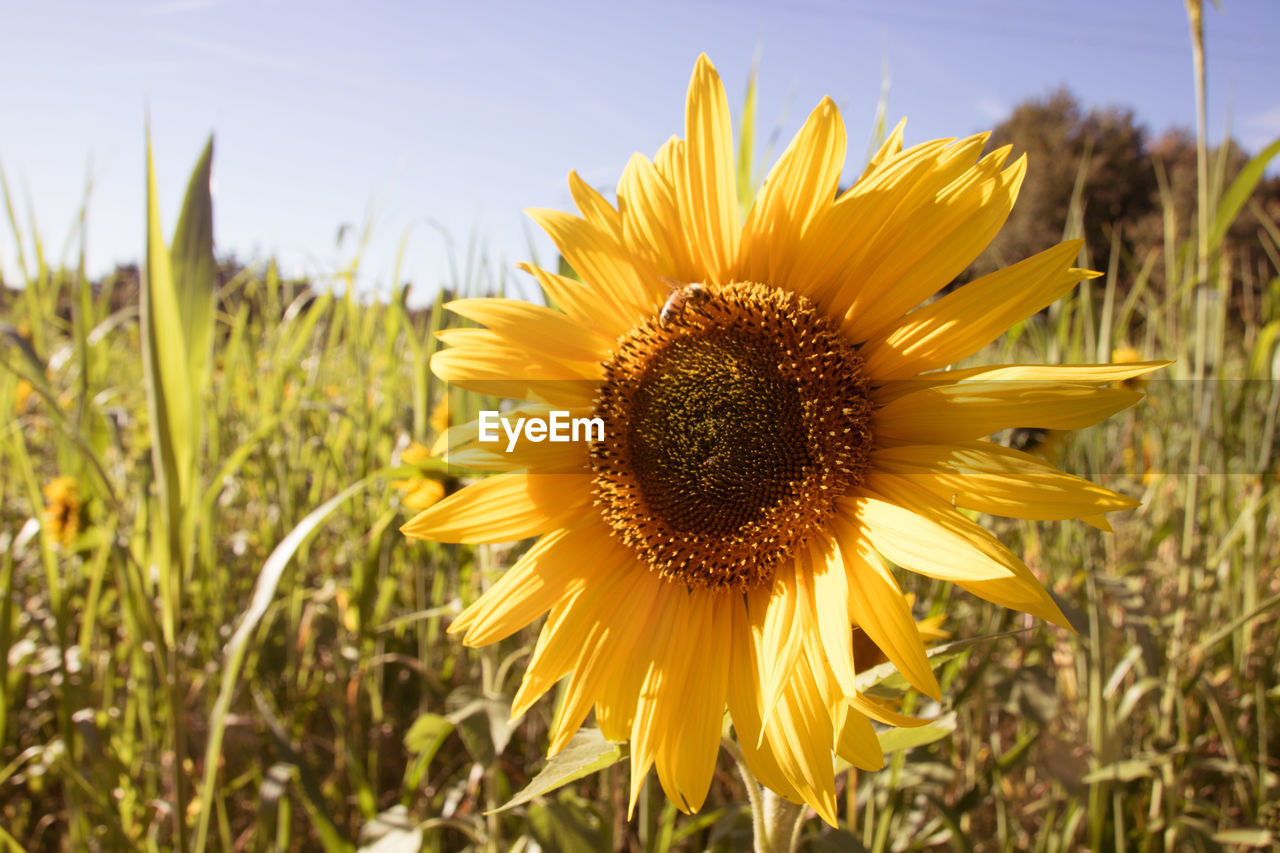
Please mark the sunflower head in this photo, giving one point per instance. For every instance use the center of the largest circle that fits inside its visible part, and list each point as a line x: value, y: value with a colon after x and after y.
x: 780, y: 438
x: 736, y: 421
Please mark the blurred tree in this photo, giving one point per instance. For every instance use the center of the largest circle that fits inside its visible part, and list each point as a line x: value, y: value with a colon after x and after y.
x: 1129, y: 185
x: 1058, y: 137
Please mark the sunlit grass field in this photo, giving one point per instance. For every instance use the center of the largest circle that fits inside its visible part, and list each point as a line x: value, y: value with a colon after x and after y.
x: 213, y: 636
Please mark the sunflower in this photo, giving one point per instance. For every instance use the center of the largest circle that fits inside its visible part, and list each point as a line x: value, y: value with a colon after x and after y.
x: 779, y: 437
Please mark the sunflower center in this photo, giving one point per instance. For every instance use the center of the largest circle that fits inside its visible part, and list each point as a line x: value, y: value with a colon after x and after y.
x: 733, y: 422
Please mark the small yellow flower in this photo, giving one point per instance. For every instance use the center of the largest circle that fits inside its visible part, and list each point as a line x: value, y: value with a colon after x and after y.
x: 62, y: 509
x: 424, y: 490
x: 22, y: 394
x: 439, y: 421
x: 415, y: 454
x: 420, y: 493
x: 1129, y: 355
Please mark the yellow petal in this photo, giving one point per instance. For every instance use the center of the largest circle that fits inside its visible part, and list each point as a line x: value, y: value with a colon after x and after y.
x: 609, y: 638
x: 491, y: 350
x: 695, y: 712
x: 803, y: 740
x: 881, y: 215
x: 663, y: 681
x: 619, y: 694
x: 594, y: 207
x: 801, y: 186
x: 1094, y: 375
x: 651, y: 225
x: 708, y: 193
x: 1021, y: 592
x: 883, y: 713
x: 880, y: 609
x: 845, y: 232
x: 828, y: 594
x: 550, y: 570
x: 891, y: 147
x: 969, y: 410
x: 777, y: 631
x: 858, y: 744
x: 601, y: 260
x: 987, y: 477
x: 964, y: 321
x: 745, y: 703
x: 922, y: 544
x: 553, y: 654
x: 504, y: 508
x: 583, y: 305
x: 514, y: 374
x: 540, y: 329
x: 941, y: 241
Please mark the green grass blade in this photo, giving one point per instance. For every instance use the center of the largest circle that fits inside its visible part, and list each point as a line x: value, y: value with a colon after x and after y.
x: 193, y: 267
x: 746, y: 139
x: 1239, y: 192
x: 163, y: 359
x: 263, y: 593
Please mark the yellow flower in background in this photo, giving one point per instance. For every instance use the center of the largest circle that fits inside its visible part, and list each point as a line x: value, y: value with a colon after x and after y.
x: 22, y: 394
x: 1129, y: 355
x: 424, y: 490
x: 439, y: 418
x: 779, y: 434
x: 62, y: 509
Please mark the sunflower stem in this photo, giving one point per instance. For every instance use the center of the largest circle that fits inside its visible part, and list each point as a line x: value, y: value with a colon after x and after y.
x: 775, y: 822
x: 780, y: 823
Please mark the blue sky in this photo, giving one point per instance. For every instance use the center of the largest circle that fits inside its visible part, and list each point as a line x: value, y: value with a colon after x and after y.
x: 444, y: 120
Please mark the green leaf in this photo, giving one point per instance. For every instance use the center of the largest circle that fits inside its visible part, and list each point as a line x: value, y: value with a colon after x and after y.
x: 193, y: 270
x: 1239, y: 191
x: 423, y: 741
x: 1261, y: 359
x: 586, y: 753
x: 163, y: 361
x: 896, y: 740
x: 566, y: 827
x: 426, y: 734
x: 483, y: 722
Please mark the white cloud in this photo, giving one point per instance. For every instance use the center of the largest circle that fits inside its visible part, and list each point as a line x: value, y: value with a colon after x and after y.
x: 991, y: 108
x: 1260, y: 128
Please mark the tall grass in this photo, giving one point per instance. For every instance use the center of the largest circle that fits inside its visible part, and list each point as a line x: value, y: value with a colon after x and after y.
x: 235, y: 649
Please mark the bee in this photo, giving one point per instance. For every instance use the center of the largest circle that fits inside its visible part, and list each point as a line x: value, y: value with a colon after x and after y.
x: 681, y: 297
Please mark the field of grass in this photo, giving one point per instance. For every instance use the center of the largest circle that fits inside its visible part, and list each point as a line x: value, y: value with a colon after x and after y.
x: 213, y: 636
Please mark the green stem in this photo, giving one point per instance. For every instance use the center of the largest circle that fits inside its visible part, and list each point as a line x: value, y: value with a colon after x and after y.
x: 781, y: 823
x: 775, y: 822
